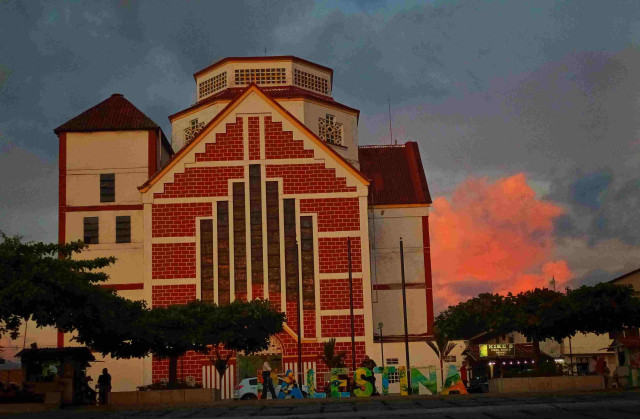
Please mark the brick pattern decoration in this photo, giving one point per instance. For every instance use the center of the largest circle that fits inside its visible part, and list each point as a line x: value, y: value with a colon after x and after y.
x: 334, y: 214
x: 189, y: 365
x: 333, y: 257
x: 275, y: 298
x: 173, y: 260
x: 177, y: 220
x: 165, y: 295
x: 340, y: 326
x: 292, y: 315
x: 309, y: 323
x: 201, y: 181
x: 308, y: 178
x: 254, y: 138
x: 228, y: 145
x: 280, y: 144
x: 257, y: 291
x: 334, y: 294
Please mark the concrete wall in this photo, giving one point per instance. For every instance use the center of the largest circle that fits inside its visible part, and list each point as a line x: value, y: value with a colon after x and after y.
x: 546, y: 384
x: 179, y: 124
x: 196, y: 395
x: 386, y: 227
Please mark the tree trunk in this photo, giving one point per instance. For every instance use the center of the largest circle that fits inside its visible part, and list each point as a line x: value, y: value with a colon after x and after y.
x: 173, y: 371
x: 441, y: 374
x: 536, y: 353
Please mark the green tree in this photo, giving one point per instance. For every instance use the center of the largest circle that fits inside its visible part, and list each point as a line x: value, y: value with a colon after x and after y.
x: 197, y: 326
x: 43, y: 283
x: 329, y: 355
x: 542, y: 314
x: 442, y: 347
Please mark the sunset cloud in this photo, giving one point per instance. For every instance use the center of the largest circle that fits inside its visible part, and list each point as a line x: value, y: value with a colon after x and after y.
x: 493, y: 237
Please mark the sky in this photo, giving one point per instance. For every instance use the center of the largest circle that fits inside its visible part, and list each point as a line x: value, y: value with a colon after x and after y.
x: 527, y: 113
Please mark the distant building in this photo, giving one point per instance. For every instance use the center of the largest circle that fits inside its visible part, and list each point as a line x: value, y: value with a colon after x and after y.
x: 256, y: 196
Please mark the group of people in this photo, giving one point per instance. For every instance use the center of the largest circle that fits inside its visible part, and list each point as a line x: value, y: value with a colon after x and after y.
x: 598, y: 366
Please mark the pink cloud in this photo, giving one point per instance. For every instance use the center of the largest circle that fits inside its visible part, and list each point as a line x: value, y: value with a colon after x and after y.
x: 493, y: 236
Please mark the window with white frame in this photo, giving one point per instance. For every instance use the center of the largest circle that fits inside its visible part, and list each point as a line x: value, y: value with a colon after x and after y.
x: 192, y: 130
x: 394, y: 377
x: 329, y: 130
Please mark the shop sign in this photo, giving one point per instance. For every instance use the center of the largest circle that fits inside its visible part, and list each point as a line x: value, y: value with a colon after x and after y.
x: 497, y: 349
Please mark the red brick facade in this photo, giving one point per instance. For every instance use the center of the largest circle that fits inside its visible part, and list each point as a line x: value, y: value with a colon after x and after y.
x: 165, y: 295
x: 177, y: 220
x: 334, y: 294
x: 173, y: 260
x: 334, y: 214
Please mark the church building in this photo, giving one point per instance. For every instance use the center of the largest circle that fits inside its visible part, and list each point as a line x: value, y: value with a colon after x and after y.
x: 259, y: 194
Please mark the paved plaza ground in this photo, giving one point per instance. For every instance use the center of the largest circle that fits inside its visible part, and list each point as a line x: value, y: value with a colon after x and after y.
x: 620, y: 404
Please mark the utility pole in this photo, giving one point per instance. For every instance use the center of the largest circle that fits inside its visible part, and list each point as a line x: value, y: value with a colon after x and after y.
x: 299, y: 321
x: 404, y: 312
x: 390, y: 130
x: 381, y: 343
x: 353, y: 332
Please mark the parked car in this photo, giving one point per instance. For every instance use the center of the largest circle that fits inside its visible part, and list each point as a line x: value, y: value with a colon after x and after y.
x: 248, y: 389
x: 478, y: 385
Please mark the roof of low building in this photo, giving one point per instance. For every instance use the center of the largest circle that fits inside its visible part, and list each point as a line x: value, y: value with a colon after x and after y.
x: 113, y: 114
x: 396, y: 173
x: 79, y: 353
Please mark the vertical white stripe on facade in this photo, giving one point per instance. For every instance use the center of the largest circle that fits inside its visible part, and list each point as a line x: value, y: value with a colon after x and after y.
x: 299, y: 248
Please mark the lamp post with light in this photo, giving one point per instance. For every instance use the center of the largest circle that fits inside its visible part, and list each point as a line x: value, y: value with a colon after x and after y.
x: 381, y: 343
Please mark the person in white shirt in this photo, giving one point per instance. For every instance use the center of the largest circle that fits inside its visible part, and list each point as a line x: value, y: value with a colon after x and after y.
x: 266, y: 380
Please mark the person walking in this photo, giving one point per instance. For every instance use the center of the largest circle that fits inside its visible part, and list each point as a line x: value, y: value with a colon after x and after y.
x: 266, y: 381
x: 104, y: 383
x: 463, y: 373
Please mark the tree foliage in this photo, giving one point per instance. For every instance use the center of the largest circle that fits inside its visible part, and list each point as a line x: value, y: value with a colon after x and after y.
x: 43, y: 283
x: 542, y: 314
x: 442, y: 346
x: 329, y: 355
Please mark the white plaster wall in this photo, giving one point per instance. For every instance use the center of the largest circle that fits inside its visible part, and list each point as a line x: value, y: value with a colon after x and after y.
x: 107, y: 150
x: 386, y: 227
x: 205, y: 115
x: 294, y: 107
x: 83, y: 187
x: 387, y: 308
x: 313, y: 111
x: 589, y: 343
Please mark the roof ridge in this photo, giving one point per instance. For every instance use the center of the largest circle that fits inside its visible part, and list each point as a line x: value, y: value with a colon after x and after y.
x: 383, y: 145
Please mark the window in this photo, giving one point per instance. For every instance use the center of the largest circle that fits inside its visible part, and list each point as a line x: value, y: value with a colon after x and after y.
x: 107, y: 187
x: 192, y: 131
x: 123, y: 229
x: 394, y: 377
x: 91, y: 230
x: 311, y: 81
x: 450, y: 358
x: 260, y: 76
x: 392, y: 361
x: 212, y: 85
x: 329, y: 130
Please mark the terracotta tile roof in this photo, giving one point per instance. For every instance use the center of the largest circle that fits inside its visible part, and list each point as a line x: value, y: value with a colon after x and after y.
x: 113, y: 114
x: 396, y: 174
x: 275, y: 92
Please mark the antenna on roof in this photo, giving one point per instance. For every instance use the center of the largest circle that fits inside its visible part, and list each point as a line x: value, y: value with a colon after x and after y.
x: 265, y: 51
x: 390, y: 130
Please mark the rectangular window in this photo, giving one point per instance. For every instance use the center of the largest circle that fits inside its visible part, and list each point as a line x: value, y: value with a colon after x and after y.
x: 273, y: 236
x: 308, y: 266
x: 290, y: 250
x: 255, y: 221
x: 239, y: 242
x: 206, y: 260
x: 123, y: 229
x: 329, y: 130
x: 392, y: 361
x: 107, y: 187
x: 91, y: 230
x: 224, y: 284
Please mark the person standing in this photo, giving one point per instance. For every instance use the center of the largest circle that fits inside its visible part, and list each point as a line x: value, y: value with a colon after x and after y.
x: 592, y: 365
x: 104, y: 382
x: 463, y: 373
x: 266, y: 380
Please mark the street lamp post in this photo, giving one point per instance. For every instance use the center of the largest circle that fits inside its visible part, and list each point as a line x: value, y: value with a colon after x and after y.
x: 381, y: 343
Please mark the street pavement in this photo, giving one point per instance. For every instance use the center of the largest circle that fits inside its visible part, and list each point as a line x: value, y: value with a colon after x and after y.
x: 622, y: 404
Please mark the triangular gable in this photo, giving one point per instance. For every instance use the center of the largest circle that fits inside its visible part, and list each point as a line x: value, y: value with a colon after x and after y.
x: 228, y: 110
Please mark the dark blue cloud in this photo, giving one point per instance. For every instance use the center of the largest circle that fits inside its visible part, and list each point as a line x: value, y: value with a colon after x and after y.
x: 589, y: 190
